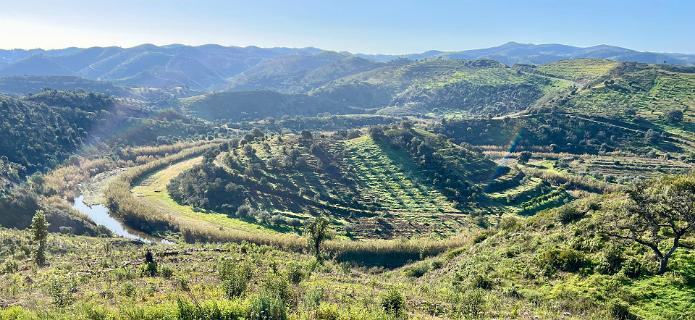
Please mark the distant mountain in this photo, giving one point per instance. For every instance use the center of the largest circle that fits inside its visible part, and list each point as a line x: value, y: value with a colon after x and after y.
x: 200, y: 68
x: 515, y: 53
x: 286, y: 70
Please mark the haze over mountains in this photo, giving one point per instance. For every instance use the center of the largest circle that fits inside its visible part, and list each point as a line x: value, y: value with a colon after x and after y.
x: 214, y: 67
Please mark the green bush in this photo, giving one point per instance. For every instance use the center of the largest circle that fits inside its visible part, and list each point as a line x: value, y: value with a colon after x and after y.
x: 632, y: 268
x: 417, y: 270
x: 266, y: 307
x: 235, y: 277
x: 327, y: 312
x: 166, y: 272
x: 611, y: 261
x: 10, y: 266
x: 621, y: 311
x: 295, y: 273
x: 470, y: 304
x: 393, y: 302
x: 61, y: 291
x: 208, y: 311
x: 569, y: 213
x: 565, y: 259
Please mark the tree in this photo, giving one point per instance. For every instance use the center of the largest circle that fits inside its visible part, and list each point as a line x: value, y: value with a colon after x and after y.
x: 656, y: 214
x: 317, y: 232
x: 524, y: 157
x: 674, y: 116
x: 39, y: 231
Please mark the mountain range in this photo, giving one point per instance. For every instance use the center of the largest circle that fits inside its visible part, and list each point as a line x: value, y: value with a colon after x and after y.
x: 215, y: 67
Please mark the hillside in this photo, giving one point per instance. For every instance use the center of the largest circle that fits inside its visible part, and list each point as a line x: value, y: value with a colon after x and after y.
x: 443, y: 86
x: 287, y: 70
x: 403, y: 182
x: 255, y: 105
x: 200, y: 68
x: 298, y: 74
x: 637, y: 92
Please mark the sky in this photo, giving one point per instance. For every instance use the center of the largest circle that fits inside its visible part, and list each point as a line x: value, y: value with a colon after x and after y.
x: 371, y: 26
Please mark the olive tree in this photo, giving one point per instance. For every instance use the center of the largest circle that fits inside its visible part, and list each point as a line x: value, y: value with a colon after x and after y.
x: 657, y: 214
x: 317, y: 232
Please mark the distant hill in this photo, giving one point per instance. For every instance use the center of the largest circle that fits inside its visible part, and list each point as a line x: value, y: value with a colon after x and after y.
x: 288, y: 70
x: 21, y: 85
x: 513, y: 53
x: 200, y: 67
x: 254, y: 105
x: 298, y: 73
x: 442, y: 85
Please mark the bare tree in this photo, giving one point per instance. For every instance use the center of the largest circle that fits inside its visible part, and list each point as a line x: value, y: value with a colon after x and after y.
x: 656, y: 214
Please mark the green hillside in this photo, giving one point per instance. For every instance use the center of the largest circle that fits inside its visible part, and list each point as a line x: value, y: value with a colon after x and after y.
x: 443, y: 85
x: 299, y: 74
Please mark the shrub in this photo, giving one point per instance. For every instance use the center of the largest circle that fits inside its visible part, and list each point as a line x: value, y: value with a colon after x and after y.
x: 327, y: 312
x: 209, y: 310
x: 481, y: 282
x: 266, y: 307
x: 166, y: 272
x: 568, y: 214
x: 611, y: 261
x: 235, y: 277
x: 633, y: 268
x: 620, y: 311
x: 295, y: 274
x: 10, y: 266
x: 393, y: 302
x: 565, y: 259
x: 471, y: 304
x: 61, y: 292
x: 418, y: 270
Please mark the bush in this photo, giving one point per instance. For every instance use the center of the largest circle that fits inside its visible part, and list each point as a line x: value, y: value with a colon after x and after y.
x: 61, y: 292
x: 611, y: 261
x: 565, y: 259
x: 471, y: 304
x: 417, y: 270
x: 235, y: 277
x: 327, y: 312
x: 295, y: 274
x: 393, y: 302
x: 166, y: 272
x: 10, y: 266
x: 633, y: 268
x: 266, y: 307
x: 481, y: 282
x: 568, y: 214
x: 621, y: 311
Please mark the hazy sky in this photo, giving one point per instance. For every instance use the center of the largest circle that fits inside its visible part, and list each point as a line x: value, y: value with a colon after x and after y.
x: 371, y: 26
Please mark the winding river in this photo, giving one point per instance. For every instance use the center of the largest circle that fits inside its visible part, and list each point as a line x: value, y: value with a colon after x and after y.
x: 100, y: 215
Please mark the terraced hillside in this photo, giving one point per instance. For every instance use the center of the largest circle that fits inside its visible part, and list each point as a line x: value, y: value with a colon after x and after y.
x: 638, y: 91
x: 392, y: 182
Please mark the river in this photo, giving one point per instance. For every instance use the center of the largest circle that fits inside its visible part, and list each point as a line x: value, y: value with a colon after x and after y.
x: 100, y: 215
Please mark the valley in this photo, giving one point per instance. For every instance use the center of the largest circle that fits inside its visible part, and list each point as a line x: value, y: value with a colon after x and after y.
x: 308, y: 184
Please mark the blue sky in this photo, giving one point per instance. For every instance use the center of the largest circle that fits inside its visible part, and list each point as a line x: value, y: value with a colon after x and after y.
x: 372, y: 26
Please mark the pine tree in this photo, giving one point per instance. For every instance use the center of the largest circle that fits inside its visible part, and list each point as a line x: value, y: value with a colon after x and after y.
x: 39, y: 231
